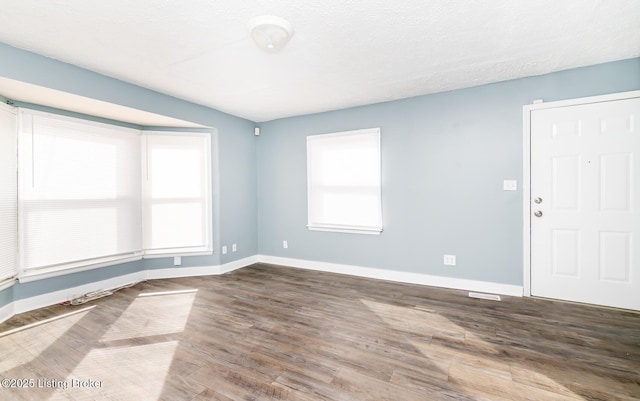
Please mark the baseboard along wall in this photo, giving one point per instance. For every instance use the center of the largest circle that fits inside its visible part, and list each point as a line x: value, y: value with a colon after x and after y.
x: 398, y: 276
x: 52, y: 298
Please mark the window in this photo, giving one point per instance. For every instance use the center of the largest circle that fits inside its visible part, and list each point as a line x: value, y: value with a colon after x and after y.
x: 177, y: 193
x: 8, y: 194
x: 79, y: 193
x: 94, y: 194
x: 343, y: 179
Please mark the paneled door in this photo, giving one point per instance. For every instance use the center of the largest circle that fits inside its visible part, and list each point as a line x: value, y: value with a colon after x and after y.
x: 585, y: 203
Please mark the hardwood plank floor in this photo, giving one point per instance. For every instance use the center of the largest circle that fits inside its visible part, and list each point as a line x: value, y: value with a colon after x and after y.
x: 275, y: 333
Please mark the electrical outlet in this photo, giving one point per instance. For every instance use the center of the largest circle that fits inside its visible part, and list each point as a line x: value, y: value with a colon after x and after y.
x: 285, y: 244
x: 449, y: 260
x: 224, y: 249
x: 234, y: 247
x: 177, y: 260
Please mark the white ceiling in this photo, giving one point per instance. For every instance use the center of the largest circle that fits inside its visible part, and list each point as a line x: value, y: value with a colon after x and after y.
x: 343, y: 53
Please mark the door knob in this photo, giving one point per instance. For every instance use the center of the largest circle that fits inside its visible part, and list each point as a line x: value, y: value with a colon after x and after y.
x: 538, y: 213
x: 538, y: 200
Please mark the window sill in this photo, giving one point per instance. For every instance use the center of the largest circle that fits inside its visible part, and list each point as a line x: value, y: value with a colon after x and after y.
x: 346, y: 229
x: 7, y: 283
x: 55, y: 271
x: 182, y: 252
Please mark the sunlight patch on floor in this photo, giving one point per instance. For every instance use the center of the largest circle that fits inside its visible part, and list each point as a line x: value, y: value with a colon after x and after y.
x: 122, y: 373
x: 65, y: 317
x: 412, y: 320
x: 23, y: 344
x: 480, y: 374
x: 160, y: 293
x: 143, y: 318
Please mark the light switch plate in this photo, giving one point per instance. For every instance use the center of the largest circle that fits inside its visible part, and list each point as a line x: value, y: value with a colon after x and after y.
x: 510, y: 185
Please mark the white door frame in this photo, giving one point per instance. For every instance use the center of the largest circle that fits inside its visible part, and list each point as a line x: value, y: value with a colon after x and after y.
x: 526, y: 168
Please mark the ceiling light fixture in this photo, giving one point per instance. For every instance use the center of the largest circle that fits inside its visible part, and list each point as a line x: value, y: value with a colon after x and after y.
x: 270, y: 33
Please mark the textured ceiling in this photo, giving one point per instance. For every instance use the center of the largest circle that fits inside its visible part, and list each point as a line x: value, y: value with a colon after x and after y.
x: 342, y: 54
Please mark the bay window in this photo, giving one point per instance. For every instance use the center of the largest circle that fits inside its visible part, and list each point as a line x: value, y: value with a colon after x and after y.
x: 93, y: 194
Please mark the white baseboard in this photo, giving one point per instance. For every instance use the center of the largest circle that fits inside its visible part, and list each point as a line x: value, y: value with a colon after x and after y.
x: 40, y: 301
x: 402, y: 277
x: 52, y: 298
x: 56, y: 297
x: 174, y: 272
x: 238, y: 264
x: 6, y: 312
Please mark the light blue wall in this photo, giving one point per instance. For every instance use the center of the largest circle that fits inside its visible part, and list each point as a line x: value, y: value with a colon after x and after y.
x: 6, y: 296
x: 39, y: 287
x: 444, y: 159
x: 235, y: 215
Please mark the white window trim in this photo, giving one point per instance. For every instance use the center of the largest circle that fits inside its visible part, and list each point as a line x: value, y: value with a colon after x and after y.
x: 207, y: 248
x: 34, y: 274
x: 76, y: 267
x: 344, y: 229
x: 38, y: 273
x: 341, y: 228
x: 8, y: 281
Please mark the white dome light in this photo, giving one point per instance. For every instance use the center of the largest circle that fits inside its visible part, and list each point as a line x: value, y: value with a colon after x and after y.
x: 270, y: 33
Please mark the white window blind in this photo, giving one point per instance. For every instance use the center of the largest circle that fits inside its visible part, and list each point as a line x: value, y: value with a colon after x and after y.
x: 8, y: 193
x: 177, y: 193
x: 344, y: 184
x: 79, y: 193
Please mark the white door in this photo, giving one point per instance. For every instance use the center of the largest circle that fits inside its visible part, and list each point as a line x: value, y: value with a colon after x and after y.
x: 585, y: 203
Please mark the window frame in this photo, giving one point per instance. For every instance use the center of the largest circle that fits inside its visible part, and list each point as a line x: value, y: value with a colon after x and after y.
x: 315, y: 190
x: 56, y: 269
x: 9, y: 272
x: 53, y: 269
x: 205, y: 249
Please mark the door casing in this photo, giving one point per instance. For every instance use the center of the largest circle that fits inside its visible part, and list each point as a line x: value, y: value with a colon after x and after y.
x: 526, y: 168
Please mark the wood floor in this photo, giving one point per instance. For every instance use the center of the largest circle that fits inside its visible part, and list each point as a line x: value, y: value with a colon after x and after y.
x: 274, y: 333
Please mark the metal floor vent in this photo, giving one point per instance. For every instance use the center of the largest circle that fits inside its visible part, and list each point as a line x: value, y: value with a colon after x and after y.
x: 491, y: 297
